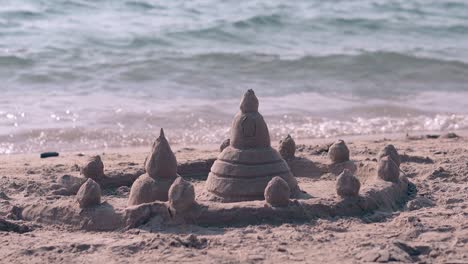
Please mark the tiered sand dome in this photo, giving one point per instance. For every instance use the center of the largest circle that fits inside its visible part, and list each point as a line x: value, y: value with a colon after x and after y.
x: 244, y: 168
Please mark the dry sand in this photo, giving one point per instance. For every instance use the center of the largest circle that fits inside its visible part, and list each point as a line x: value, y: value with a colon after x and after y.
x: 431, y: 228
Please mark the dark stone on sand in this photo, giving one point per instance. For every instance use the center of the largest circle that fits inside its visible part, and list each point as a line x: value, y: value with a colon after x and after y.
x: 49, y: 154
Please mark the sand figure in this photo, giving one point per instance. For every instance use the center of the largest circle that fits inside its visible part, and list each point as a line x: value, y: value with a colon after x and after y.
x: 224, y: 145
x: 347, y: 185
x: 89, y: 194
x: 243, y: 169
x: 161, y: 171
x: 388, y: 170
x: 390, y: 150
x: 287, y: 148
x: 94, y: 168
x: 338, y: 152
x: 277, y: 192
x: 181, y: 195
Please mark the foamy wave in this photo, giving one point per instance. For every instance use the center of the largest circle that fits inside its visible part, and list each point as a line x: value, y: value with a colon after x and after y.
x: 202, y: 132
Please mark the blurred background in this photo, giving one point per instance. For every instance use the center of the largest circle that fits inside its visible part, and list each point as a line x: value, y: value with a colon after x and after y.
x: 85, y: 74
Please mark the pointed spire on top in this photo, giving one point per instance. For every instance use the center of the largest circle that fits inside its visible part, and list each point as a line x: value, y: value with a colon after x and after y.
x: 161, y: 162
x: 161, y: 133
x: 249, y: 102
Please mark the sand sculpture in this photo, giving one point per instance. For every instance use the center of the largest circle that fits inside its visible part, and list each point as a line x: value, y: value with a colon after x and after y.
x: 89, y: 194
x: 390, y: 151
x: 277, y: 192
x: 161, y: 171
x: 388, y: 170
x: 248, y: 170
x: 338, y: 152
x: 347, y: 185
x: 94, y: 168
x: 224, y: 145
x: 287, y: 148
x: 243, y: 170
x: 389, y: 164
x: 181, y: 195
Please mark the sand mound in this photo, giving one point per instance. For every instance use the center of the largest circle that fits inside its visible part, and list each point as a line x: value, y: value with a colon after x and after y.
x: 243, y: 170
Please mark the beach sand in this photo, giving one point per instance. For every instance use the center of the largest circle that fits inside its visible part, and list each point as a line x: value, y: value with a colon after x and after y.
x: 432, y: 227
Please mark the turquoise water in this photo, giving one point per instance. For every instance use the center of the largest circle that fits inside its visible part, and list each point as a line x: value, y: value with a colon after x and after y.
x: 82, y: 74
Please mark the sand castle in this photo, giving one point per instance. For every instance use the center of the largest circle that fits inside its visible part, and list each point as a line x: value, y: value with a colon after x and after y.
x: 94, y: 168
x: 277, y: 192
x: 388, y: 170
x: 89, y: 194
x: 181, y: 195
x: 246, y: 171
x: 338, y: 152
x: 161, y: 171
x: 347, y: 185
x: 244, y: 168
x: 389, y: 164
x: 390, y: 151
x: 224, y: 145
x: 246, y: 174
x: 287, y: 148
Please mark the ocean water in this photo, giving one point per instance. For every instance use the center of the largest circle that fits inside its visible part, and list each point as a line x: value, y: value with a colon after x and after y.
x: 86, y: 74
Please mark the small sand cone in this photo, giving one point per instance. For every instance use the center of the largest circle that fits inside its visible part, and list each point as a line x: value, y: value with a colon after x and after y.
x: 338, y: 152
x: 89, y: 194
x: 390, y: 151
x: 388, y: 170
x: 181, y: 195
x: 277, y: 192
x: 161, y: 163
x: 224, y: 145
x: 94, y: 168
x: 347, y: 185
x: 161, y: 171
x: 287, y: 148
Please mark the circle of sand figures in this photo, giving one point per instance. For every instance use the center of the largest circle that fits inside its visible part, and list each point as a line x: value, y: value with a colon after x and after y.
x: 244, y: 168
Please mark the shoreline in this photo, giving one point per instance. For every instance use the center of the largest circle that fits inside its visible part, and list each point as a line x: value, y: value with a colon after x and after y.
x: 211, y: 146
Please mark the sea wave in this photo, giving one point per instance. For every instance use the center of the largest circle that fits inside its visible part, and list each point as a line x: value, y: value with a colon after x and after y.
x: 72, y: 70
x: 367, y: 73
x: 202, y: 132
